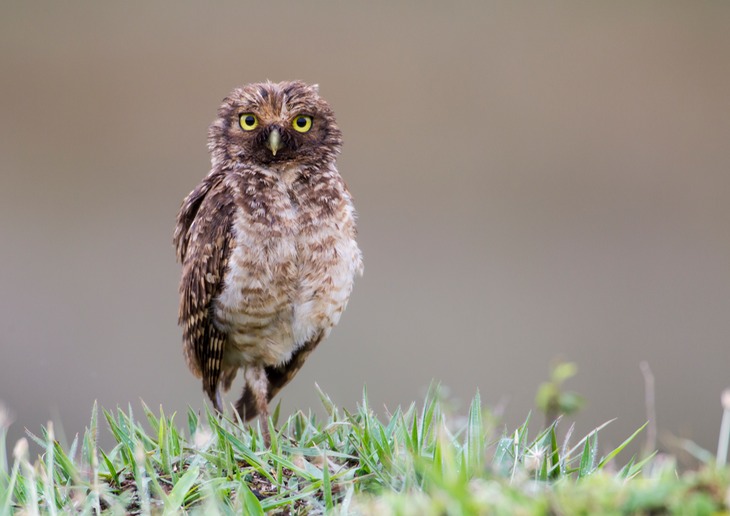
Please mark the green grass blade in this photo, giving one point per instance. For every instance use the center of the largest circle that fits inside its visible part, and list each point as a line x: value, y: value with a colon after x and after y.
x: 111, y: 469
x: 327, y: 402
x: 623, y: 445
x: 555, y: 471
x: 49, y: 487
x: 151, y: 418
x: 251, y: 504
x: 588, y: 457
x: 475, y: 435
x: 192, y: 421
x: 176, y: 498
x: 633, y: 469
x: 326, y: 484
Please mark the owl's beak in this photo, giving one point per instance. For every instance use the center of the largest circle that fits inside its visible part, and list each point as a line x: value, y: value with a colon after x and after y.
x: 274, y: 141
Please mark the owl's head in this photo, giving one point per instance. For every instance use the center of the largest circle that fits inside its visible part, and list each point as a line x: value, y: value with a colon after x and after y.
x: 272, y: 124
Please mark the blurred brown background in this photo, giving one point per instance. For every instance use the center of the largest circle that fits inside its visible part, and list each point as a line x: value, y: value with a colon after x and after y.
x: 533, y: 182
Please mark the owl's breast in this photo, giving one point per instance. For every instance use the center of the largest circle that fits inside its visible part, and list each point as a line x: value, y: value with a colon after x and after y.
x: 287, y: 280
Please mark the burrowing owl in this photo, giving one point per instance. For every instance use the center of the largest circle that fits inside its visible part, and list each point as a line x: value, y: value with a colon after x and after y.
x: 266, y: 242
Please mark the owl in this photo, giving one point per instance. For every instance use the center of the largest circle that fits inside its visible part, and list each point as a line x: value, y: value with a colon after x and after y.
x: 266, y: 242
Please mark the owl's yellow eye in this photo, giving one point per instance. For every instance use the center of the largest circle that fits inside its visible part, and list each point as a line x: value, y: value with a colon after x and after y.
x: 302, y: 123
x: 248, y: 121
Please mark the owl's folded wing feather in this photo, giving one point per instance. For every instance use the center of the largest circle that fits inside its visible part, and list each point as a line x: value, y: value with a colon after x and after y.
x: 203, y: 242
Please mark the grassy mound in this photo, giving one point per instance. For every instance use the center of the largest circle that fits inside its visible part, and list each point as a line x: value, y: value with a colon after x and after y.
x: 421, y: 460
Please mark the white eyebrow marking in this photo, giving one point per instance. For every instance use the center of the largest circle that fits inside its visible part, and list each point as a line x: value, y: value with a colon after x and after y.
x: 284, y: 107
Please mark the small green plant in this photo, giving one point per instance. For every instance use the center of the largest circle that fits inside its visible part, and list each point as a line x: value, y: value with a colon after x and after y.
x: 552, y: 400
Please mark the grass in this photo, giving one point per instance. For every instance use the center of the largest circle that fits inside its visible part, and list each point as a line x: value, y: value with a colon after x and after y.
x: 418, y: 460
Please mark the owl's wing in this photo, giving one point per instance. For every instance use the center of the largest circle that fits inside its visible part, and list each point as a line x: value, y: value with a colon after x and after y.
x: 203, y: 242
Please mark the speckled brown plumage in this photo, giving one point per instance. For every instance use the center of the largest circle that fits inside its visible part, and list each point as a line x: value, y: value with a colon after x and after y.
x: 267, y: 243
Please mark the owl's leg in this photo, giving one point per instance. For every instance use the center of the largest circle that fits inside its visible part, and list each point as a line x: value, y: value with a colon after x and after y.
x: 254, y: 399
x: 279, y: 376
